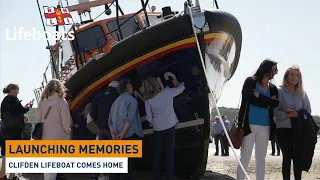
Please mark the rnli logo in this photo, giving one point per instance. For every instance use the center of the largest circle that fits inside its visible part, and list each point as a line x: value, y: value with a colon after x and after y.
x: 57, y: 16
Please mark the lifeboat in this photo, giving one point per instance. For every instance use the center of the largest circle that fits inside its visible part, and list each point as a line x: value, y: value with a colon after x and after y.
x: 164, y: 45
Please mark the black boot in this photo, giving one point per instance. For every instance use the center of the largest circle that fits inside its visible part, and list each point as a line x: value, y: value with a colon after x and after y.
x: 62, y: 177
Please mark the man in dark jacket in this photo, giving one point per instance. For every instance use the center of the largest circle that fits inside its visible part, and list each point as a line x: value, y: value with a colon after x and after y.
x: 100, y: 111
x: 304, y: 138
x: 101, y: 107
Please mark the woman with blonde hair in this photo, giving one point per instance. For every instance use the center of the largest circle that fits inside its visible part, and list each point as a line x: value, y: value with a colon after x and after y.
x: 162, y: 117
x: 53, y: 111
x: 292, y: 98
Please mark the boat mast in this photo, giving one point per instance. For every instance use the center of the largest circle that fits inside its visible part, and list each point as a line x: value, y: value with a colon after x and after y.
x: 55, y: 72
x: 61, y: 5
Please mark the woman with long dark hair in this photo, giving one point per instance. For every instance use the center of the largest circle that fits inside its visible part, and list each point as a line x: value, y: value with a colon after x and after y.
x: 11, y: 104
x: 292, y: 98
x: 259, y: 97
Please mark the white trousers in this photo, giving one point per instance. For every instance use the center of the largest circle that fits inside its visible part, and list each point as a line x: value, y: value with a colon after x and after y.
x: 50, y: 176
x: 260, y: 137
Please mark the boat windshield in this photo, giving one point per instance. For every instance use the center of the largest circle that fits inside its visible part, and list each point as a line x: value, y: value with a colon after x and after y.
x: 90, y: 39
x: 129, y: 28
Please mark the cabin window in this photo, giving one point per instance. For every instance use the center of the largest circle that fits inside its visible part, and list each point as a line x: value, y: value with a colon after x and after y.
x: 127, y: 29
x: 90, y: 39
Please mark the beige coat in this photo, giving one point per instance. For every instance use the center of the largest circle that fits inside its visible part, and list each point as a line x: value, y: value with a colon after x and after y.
x: 57, y: 124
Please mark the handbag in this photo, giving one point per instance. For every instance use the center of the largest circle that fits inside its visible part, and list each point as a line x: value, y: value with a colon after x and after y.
x: 11, y: 119
x: 37, y: 132
x: 237, y: 131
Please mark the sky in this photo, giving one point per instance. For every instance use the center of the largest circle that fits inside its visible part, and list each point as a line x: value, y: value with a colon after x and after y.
x: 285, y: 31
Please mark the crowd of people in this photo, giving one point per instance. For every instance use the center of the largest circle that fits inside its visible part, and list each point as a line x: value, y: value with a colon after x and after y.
x: 267, y: 113
x: 114, y: 111
x: 122, y: 120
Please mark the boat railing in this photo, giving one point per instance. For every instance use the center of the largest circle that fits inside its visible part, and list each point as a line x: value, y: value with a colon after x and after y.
x: 119, y: 33
x: 66, y: 70
x: 70, y: 65
x: 66, y: 59
x: 79, y: 53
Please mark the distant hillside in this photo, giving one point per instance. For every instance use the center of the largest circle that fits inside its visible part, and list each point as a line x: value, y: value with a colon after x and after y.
x: 232, y: 112
x: 229, y: 112
x: 32, y: 115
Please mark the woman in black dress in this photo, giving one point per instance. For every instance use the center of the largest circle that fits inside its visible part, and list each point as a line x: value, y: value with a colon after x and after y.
x: 11, y: 104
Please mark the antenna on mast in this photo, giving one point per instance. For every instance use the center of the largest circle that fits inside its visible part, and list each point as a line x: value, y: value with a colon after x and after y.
x: 149, y: 7
x: 84, y: 11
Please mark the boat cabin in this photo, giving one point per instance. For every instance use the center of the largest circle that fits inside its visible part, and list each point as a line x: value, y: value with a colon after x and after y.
x: 95, y: 38
x: 99, y: 36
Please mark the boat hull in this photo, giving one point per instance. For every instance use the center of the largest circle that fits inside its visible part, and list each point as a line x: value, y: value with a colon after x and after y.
x: 176, y: 57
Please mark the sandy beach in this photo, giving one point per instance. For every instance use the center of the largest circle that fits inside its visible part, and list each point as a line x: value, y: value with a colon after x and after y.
x: 226, y: 166
x: 222, y: 168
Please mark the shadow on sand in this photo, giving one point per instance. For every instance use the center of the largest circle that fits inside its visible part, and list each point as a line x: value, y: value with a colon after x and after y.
x: 209, y: 175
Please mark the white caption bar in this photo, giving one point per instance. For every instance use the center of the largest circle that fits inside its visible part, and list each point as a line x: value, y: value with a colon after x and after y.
x: 66, y: 165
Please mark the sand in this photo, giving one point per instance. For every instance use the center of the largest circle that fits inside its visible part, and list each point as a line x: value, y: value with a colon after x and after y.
x: 226, y: 166
x: 222, y: 168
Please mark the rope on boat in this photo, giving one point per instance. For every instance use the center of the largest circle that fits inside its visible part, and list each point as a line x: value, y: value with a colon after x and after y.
x: 213, y: 97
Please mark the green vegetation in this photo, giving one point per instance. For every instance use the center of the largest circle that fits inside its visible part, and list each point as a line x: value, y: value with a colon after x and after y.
x: 32, y: 115
x: 229, y: 112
